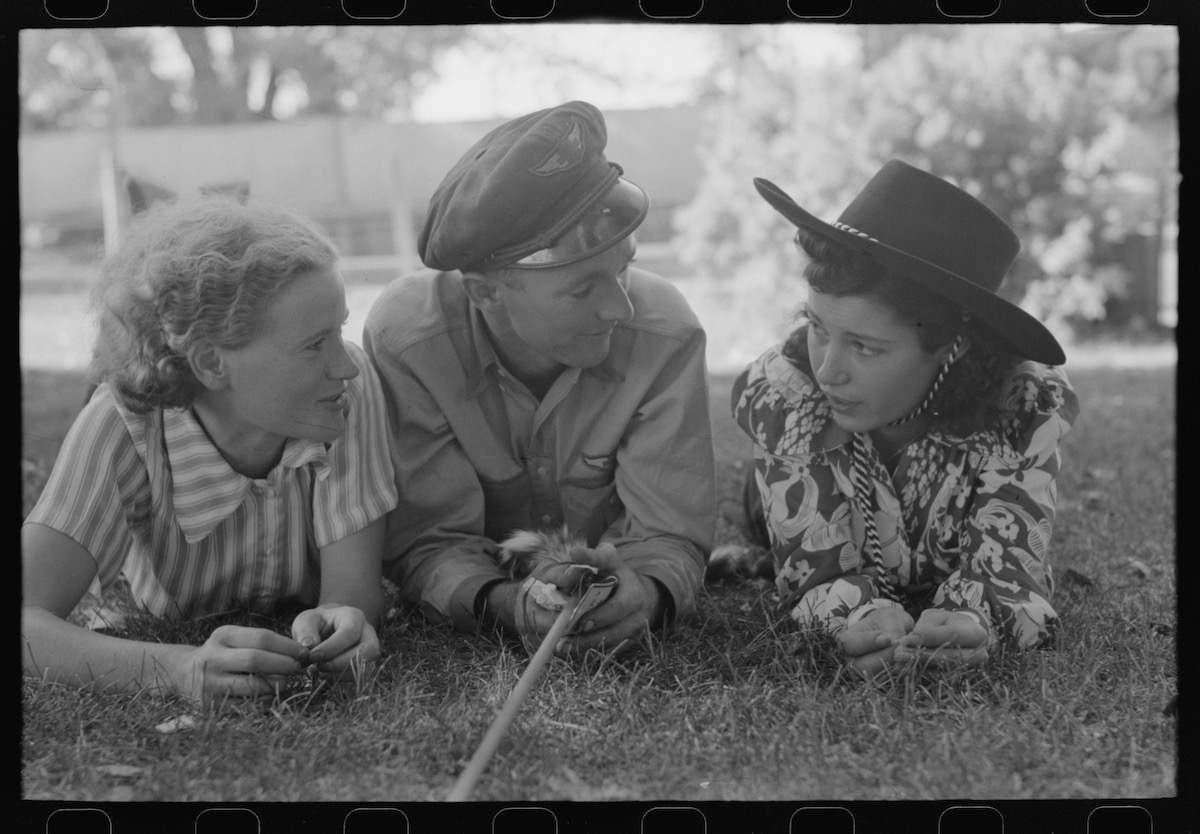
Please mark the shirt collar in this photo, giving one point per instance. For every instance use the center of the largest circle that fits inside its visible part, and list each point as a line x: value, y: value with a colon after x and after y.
x: 482, y: 357
x: 205, y: 488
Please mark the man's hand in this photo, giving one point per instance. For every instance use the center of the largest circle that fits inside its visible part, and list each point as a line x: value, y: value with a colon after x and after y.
x: 869, y: 644
x: 614, y: 624
x: 510, y: 605
x: 943, y: 639
x: 339, y: 639
x: 618, y: 622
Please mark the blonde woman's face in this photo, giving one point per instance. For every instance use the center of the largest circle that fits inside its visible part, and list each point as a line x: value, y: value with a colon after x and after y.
x: 290, y: 381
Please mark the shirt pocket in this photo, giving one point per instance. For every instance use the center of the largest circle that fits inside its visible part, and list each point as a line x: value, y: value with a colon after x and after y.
x: 507, y: 506
x: 590, y: 505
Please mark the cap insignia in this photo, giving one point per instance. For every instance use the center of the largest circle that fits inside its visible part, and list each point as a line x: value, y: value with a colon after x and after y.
x: 566, y: 154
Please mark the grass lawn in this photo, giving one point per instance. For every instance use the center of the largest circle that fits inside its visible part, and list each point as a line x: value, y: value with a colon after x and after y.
x: 731, y: 705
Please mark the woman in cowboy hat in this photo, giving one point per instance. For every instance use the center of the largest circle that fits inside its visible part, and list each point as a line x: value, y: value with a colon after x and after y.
x: 906, y: 433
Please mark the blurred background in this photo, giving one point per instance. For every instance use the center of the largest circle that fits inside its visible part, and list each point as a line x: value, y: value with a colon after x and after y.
x: 1068, y: 131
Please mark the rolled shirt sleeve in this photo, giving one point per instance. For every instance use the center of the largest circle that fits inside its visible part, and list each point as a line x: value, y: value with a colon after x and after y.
x: 666, y: 479
x: 361, y: 485
x: 435, y: 549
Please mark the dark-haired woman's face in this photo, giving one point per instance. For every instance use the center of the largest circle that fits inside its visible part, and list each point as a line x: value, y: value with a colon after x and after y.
x: 867, y: 360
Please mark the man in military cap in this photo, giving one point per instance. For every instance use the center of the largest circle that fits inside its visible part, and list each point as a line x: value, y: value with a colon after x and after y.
x: 536, y: 378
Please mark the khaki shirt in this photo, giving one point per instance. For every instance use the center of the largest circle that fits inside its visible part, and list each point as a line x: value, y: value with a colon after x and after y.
x: 621, y: 452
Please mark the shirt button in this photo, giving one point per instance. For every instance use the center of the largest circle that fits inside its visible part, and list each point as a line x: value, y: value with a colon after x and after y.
x: 546, y: 519
x: 542, y: 471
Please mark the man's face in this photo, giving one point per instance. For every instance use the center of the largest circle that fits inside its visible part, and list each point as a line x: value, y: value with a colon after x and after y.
x: 567, y: 314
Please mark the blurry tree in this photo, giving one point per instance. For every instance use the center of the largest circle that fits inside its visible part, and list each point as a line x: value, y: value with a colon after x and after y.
x: 206, y: 75
x: 1027, y: 118
x: 67, y: 78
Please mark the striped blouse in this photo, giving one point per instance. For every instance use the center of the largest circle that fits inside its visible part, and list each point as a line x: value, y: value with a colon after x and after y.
x: 149, y: 495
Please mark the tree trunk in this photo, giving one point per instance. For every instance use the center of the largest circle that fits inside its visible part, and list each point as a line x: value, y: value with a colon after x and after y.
x: 216, y: 102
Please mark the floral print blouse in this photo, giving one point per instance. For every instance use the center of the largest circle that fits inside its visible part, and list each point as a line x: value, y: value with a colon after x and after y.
x: 964, y: 522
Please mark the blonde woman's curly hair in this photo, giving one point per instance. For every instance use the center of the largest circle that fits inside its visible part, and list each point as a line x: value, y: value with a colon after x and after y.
x: 199, y: 269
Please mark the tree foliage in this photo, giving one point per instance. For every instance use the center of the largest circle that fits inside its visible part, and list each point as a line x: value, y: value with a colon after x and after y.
x: 214, y: 75
x: 1029, y: 119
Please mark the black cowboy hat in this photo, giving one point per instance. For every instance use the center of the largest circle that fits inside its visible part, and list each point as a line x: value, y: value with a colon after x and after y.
x: 938, y: 235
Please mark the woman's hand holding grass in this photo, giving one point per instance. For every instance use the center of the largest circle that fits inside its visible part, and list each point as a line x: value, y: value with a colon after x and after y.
x: 338, y: 638
x: 237, y: 662
x: 943, y: 639
x: 870, y: 643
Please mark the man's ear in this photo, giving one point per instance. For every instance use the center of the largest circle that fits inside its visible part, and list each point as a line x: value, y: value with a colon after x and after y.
x: 209, y: 366
x: 482, y: 290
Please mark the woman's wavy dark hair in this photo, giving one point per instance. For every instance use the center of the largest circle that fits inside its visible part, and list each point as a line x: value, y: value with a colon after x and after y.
x: 970, y: 397
x: 196, y: 269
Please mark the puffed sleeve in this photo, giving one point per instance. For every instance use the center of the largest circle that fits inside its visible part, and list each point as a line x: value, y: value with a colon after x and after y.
x: 361, y: 486
x: 99, y: 486
x: 1004, y: 578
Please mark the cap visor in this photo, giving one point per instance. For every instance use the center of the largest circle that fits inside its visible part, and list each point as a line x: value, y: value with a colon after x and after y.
x: 612, y: 219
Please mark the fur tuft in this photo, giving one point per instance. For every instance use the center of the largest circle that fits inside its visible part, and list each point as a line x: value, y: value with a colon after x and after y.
x: 523, y: 551
x: 735, y: 563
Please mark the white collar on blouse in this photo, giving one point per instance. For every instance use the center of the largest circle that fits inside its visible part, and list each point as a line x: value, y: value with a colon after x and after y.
x: 205, y: 488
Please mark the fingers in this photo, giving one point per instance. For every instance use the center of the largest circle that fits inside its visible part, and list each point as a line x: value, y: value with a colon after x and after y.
x: 244, y: 637
x: 603, y: 556
x: 620, y: 620
x: 232, y: 686
x: 355, y: 658
x: 225, y: 676
x: 622, y: 634
x: 253, y: 661
x: 953, y: 635
x: 530, y: 619
x: 308, y: 628
x: 872, y: 663
x: 893, y: 620
x: 564, y: 576
x: 941, y: 657
x: 243, y: 662
x: 627, y: 609
x: 857, y: 643
x: 940, y: 640
x: 946, y: 628
x: 338, y: 630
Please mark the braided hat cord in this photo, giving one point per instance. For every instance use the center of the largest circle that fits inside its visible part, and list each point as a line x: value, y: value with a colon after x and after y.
x: 863, y: 490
